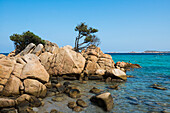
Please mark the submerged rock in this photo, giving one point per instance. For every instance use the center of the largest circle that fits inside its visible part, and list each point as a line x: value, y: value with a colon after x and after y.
x: 157, y: 86
x: 103, y: 100
x: 77, y: 109
x: 57, y: 99
x: 72, y: 105
x: 81, y: 103
x: 113, y: 87
x: 95, y: 90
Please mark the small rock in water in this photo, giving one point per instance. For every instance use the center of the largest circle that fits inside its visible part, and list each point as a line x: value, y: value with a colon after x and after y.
x: 72, y: 105
x: 134, y: 99
x: 95, y: 90
x: 66, y: 84
x: 55, y: 111
x: 109, y: 79
x: 130, y: 76
x: 50, y: 94
x: 103, y: 100
x: 134, y: 103
x: 77, y: 109
x: 57, y: 99
x: 113, y: 87
x: 81, y: 103
x: 83, y: 82
x: 73, y: 92
x: 157, y: 86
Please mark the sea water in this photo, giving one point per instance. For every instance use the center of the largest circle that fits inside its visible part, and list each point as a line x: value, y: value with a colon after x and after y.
x: 135, y: 95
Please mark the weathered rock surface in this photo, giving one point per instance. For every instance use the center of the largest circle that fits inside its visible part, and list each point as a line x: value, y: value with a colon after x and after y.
x: 35, y: 88
x: 6, y: 67
x: 37, y: 51
x: 97, y: 63
x: 120, y: 74
x: 6, y: 102
x: 104, y: 100
x: 34, y: 69
x: 27, y: 50
x: 126, y: 65
x: 12, y: 87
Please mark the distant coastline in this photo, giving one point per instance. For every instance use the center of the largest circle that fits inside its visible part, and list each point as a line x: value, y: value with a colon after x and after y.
x: 147, y: 51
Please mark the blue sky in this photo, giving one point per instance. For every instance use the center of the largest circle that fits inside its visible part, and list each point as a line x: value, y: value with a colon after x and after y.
x: 124, y: 25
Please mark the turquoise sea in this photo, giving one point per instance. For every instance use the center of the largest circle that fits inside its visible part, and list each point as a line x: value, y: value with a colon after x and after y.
x: 134, y: 95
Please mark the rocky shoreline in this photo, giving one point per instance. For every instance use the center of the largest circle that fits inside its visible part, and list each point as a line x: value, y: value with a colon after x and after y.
x: 40, y: 72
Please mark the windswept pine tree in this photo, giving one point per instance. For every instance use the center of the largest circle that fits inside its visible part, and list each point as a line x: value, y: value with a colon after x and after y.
x: 87, y: 35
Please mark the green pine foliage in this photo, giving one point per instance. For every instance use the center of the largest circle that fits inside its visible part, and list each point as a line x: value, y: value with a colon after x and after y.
x: 21, y: 41
x: 87, y: 35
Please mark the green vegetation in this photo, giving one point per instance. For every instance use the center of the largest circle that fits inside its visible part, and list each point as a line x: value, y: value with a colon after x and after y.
x: 86, y: 33
x: 21, y: 41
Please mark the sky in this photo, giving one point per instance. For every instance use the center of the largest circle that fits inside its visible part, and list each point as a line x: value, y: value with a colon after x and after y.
x: 124, y: 25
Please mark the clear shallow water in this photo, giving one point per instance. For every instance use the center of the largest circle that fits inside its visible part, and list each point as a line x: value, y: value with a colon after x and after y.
x: 155, y: 69
x: 133, y: 96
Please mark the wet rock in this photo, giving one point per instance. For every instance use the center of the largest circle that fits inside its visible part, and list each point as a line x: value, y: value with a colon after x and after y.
x: 55, y: 111
x: 67, y: 77
x: 8, y: 110
x: 95, y: 77
x: 74, y: 93
x: 6, y: 102
x: 66, y: 84
x: 130, y: 76
x: 54, y: 81
x: 119, y: 74
x: 134, y: 103
x: 113, y: 87
x: 34, y: 102
x: 83, y: 82
x: 134, y: 99
x: 22, y: 98
x: 72, y: 105
x: 95, y: 90
x: 157, y: 86
x: 81, y: 103
x: 57, y: 99
x: 103, y: 100
x: 108, y: 79
x: 48, y: 85
x: 42, y: 103
x: 50, y: 94
x: 23, y: 107
x: 60, y: 88
x: 77, y: 109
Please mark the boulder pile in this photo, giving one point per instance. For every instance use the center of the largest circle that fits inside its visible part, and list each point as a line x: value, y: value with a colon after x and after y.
x: 37, y: 70
x: 19, y: 75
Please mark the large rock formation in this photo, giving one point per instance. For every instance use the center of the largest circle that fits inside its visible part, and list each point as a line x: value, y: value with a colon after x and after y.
x: 14, y: 70
x: 97, y: 63
x: 65, y: 62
